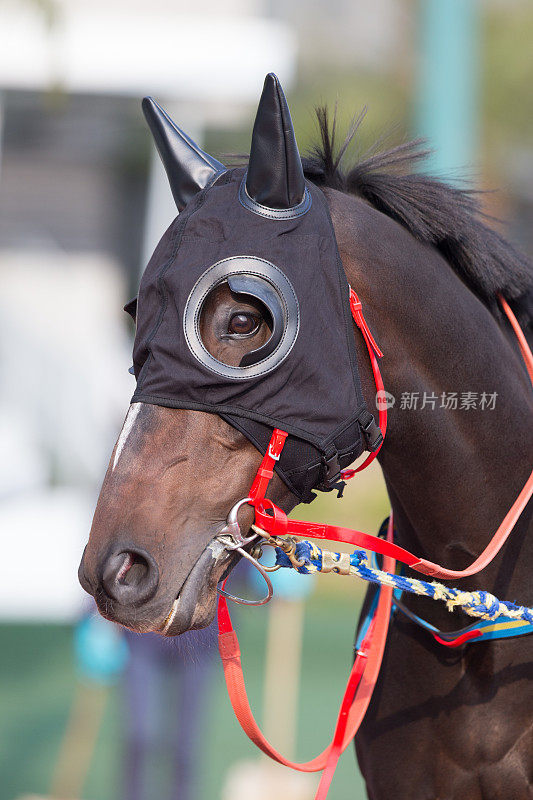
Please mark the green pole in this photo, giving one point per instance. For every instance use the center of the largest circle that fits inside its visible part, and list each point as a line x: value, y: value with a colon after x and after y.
x: 447, y: 92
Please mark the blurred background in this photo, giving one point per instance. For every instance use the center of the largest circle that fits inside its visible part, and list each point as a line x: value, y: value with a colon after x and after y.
x: 87, y: 713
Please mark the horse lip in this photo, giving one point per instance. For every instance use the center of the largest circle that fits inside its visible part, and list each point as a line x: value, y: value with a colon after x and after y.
x: 187, y: 611
x: 82, y: 577
x: 170, y: 618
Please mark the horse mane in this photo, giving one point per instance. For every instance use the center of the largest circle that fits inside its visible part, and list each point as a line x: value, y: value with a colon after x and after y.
x: 448, y: 217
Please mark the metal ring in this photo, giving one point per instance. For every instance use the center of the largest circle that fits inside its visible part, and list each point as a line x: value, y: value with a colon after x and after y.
x: 261, y: 570
x: 232, y: 529
x: 273, y: 545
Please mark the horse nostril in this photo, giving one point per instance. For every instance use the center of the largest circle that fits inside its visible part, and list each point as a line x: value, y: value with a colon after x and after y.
x: 133, y: 571
x: 130, y: 576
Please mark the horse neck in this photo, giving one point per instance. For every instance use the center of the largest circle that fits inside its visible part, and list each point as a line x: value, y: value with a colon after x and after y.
x: 452, y: 474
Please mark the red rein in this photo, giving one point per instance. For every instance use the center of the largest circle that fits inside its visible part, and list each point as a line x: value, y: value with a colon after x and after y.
x: 365, y: 671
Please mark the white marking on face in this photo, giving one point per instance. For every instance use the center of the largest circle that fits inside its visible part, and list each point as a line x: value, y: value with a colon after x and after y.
x: 126, y: 430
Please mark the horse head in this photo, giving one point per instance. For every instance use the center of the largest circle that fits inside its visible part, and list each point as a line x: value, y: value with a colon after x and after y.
x: 243, y: 325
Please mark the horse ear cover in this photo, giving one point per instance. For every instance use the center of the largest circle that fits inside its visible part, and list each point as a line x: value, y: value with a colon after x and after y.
x: 188, y: 168
x: 275, y: 176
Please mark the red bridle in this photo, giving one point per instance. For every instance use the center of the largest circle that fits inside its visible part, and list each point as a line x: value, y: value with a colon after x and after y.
x: 365, y: 670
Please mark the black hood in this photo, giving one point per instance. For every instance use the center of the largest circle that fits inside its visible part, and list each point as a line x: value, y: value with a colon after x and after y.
x: 305, y: 379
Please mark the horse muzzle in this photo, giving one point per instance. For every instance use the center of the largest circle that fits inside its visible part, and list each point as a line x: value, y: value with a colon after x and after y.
x: 216, y: 561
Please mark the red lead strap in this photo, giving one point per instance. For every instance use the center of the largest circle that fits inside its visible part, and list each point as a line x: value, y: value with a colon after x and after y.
x: 357, y: 695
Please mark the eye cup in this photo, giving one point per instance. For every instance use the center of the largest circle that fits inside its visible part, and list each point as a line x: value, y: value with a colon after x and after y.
x: 274, y: 304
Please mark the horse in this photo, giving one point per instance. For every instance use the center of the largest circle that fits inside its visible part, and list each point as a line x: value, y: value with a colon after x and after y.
x: 428, y: 267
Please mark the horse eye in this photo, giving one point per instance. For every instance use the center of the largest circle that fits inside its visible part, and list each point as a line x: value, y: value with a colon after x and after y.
x: 243, y: 324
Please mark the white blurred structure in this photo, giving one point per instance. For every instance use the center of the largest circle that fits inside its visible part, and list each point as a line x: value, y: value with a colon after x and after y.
x: 64, y: 348
x: 64, y: 356
x: 218, y: 53
x: 63, y: 393
x: 43, y: 533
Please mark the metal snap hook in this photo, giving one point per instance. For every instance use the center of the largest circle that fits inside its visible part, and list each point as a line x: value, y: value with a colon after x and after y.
x: 259, y: 548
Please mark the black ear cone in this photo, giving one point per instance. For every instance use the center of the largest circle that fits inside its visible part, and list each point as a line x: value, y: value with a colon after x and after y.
x: 275, y: 174
x: 189, y: 169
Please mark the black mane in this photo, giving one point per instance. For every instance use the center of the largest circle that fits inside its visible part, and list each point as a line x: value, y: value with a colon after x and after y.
x: 447, y: 217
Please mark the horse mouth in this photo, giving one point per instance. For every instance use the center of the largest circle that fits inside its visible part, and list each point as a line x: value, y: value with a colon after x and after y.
x: 195, y: 604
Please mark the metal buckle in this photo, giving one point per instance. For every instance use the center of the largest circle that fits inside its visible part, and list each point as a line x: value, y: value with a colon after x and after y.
x: 232, y: 539
x: 371, y: 432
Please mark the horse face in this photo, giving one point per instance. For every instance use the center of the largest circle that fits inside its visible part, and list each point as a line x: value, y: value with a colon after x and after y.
x: 243, y: 312
x: 173, y: 476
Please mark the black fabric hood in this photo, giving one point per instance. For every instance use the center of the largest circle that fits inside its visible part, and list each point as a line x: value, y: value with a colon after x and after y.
x: 264, y: 233
x: 314, y: 393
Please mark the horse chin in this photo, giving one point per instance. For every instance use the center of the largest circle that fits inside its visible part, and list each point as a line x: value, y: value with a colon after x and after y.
x: 196, y: 603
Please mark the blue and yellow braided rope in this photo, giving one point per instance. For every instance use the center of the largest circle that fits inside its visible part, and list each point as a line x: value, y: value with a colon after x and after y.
x: 477, y: 604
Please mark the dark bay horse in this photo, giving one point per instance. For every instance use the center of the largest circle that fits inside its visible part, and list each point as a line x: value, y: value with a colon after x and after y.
x: 442, y: 724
